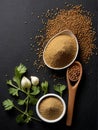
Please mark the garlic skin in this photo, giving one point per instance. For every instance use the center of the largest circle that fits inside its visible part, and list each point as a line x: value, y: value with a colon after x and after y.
x: 34, y: 80
x: 25, y: 82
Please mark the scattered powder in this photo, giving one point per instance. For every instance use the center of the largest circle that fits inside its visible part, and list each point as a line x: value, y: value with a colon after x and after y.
x: 73, y: 18
x: 79, y: 22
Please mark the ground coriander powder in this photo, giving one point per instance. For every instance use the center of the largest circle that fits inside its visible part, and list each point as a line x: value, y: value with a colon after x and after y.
x: 60, y: 51
x: 51, y: 108
x: 76, y: 19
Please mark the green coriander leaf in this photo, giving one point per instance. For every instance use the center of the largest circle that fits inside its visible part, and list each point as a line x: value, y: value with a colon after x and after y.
x: 28, y: 119
x: 8, y: 104
x: 33, y: 100
x: 30, y: 112
x: 44, y: 86
x: 19, y: 71
x: 20, y: 118
x: 9, y: 82
x: 62, y: 87
x: 13, y: 91
x: 36, y: 90
x: 21, y: 102
x: 17, y: 80
x: 59, y: 88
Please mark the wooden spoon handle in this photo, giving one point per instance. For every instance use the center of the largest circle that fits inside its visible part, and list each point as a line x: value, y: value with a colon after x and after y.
x: 70, y: 109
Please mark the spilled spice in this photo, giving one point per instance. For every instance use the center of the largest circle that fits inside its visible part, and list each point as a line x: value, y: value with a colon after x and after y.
x: 79, y: 22
x: 51, y: 108
x: 75, y: 19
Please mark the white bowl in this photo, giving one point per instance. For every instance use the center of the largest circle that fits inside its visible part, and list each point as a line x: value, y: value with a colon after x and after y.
x: 48, y: 120
x: 64, y: 32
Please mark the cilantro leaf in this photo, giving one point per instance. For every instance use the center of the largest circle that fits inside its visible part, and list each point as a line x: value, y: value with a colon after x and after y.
x: 13, y: 91
x: 59, y: 88
x: 30, y: 112
x: 28, y: 119
x: 20, y: 118
x: 19, y: 71
x: 21, y: 102
x: 36, y: 90
x: 33, y: 100
x: 9, y: 82
x: 16, y: 79
x: 8, y: 104
x: 44, y: 86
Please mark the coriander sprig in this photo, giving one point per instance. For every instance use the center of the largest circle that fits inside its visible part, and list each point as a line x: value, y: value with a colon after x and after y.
x: 44, y: 87
x: 25, y: 116
x: 30, y: 94
x: 8, y: 104
x: 59, y: 88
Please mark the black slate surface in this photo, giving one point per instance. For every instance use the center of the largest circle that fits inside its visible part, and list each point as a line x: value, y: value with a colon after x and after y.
x: 15, y: 43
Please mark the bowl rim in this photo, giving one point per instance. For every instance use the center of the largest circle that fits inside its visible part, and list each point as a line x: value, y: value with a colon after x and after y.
x: 60, y: 33
x: 51, y: 95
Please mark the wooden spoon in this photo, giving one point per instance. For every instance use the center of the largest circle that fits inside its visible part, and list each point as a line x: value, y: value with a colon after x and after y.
x: 74, y: 74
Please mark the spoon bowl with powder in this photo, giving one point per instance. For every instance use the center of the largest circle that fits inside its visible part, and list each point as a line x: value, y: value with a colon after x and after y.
x: 61, y: 50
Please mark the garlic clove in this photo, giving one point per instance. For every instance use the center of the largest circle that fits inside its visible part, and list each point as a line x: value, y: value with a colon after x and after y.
x: 25, y: 82
x: 34, y: 80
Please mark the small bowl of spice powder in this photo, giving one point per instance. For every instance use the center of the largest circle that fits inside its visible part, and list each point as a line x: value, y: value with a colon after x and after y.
x: 51, y: 108
x: 61, y: 50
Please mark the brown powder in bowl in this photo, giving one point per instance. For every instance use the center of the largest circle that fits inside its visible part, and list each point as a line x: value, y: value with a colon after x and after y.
x: 60, y: 51
x: 51, y: 108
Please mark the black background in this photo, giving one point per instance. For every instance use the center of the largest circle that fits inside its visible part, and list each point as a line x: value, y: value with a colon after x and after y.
x: 17, y: 26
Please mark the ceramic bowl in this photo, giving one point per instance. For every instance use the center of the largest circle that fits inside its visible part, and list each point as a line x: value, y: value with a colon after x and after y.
x: 48, y: 120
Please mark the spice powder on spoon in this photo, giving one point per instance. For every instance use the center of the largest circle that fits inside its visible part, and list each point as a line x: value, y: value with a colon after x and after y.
x: 60, y: 51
